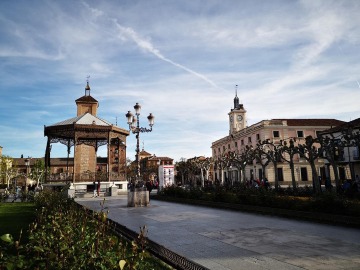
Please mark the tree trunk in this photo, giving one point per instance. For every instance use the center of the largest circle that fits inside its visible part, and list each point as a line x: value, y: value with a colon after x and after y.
x: 293, y: 181
x: 315, y: 177
x: 202, y: 177
x: 276, y: 176
x: 336, y: 175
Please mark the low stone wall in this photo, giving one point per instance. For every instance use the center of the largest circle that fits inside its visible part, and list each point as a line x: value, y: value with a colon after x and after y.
x: 350, y: 221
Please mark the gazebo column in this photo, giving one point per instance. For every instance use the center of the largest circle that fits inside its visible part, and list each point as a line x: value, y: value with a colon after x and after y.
x: 96, y: 146
x: 108, y: 158
x: 74, y: 163
x: 67, y: 161
x: 47, y: 158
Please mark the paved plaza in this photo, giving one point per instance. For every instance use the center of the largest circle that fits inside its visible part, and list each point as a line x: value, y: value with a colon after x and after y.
x: 223, y: 239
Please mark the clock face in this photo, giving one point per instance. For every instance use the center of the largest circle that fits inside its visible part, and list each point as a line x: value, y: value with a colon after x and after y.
x: 239, y: 117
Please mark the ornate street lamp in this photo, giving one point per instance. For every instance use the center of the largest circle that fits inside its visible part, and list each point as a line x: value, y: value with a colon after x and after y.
x: 134, y: 126
x: 27, y: 164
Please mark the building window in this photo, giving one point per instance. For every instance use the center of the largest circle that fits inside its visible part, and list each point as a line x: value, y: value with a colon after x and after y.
x: 219, y: 150
x: 356, y: 153
x: 242, y: 142
x: 276, y: 134
x: 304, y: 175
x: 257, y: 137
x: 249, y: 139
x: 235, y: 144
x: 224, y: 148
x: 300, y: 134
x: 280, y: 174
x: 229, y: 146
x: 342, y: 173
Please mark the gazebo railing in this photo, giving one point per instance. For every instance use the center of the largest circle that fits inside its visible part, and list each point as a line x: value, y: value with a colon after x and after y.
x: 86, y: 177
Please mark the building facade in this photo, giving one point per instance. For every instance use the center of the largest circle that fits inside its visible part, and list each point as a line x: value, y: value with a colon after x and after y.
x: 149, y: 165
x: 345, y: 149
x: 242, y: 137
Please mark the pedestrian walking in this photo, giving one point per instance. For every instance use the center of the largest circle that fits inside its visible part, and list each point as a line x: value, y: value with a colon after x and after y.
x: 357, y: 181
x: 95, y: 189
x: 98, y: 188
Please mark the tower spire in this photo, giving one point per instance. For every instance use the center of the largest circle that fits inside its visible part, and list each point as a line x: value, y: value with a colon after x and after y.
x: 87, y: 87
x: 236, y: 99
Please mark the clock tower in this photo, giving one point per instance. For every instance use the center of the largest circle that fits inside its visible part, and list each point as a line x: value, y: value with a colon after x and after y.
x: 237, y: 116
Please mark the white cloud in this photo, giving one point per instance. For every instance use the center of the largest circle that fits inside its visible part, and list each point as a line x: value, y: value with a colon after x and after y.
x: 181, y: 62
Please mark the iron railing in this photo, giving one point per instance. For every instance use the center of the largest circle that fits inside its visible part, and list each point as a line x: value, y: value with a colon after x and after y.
x: 86, y: 177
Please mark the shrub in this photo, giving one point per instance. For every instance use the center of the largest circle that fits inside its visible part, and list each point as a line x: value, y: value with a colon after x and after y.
x: 302, y: 199
x: 65, y: 236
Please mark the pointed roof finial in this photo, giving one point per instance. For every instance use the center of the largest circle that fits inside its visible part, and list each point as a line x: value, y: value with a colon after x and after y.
x: 87, y: 87
x: 236, y: 99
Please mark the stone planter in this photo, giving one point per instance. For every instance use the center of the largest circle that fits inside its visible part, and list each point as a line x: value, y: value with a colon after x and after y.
x: 71, y: 191
x: 113, y: 191
x: 138, y: 197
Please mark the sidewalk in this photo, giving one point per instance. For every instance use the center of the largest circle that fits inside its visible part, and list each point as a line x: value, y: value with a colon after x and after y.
x: 222, y: 239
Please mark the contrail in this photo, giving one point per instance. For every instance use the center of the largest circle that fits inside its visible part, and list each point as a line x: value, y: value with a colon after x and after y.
x: 146, y: 45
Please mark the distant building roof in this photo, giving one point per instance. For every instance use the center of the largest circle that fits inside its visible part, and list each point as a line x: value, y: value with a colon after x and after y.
x: 87, y: 99
x: 354, y: 124
x: 311, y: 122
x: 159, y: 158
x: 144, y: 154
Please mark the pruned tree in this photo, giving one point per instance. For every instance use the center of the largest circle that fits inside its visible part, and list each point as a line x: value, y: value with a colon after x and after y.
x: 272, y: 152
x: 311, y: 154
x: 241, y: 159
x: 8, y: 169
x: 220, y: 164
x: 204, y: 165
x: 261, y: 158
x: 333, y: 152
x: 193, y: 170
x: 181, y: 167
x: 290, y: 150
x: 38, y: 171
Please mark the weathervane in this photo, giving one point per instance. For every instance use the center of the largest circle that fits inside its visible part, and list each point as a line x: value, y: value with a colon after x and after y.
x: 87, y: 88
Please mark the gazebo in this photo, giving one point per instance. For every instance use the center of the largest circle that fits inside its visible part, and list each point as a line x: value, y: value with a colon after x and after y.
x: 86, y: 133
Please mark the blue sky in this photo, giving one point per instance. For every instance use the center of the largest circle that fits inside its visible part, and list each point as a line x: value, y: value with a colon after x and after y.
x: 180, y: 60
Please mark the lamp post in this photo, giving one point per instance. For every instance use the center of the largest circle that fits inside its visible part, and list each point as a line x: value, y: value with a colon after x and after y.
x: 134, y: 126
x: 27, y: 164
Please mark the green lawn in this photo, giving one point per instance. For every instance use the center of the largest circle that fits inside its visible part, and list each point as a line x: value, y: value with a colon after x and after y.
x: 16, y: 216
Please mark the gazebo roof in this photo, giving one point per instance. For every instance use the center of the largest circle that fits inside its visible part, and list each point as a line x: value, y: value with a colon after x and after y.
x: 84, y: 128
x: 85, y: 119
